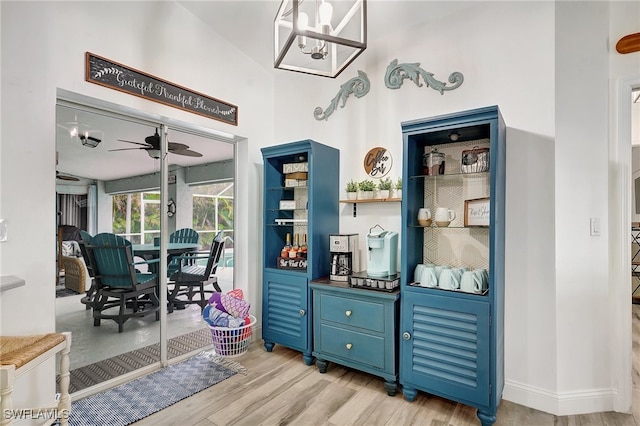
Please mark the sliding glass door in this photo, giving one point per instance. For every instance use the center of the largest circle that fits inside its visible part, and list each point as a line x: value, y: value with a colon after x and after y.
x: 113, y: 157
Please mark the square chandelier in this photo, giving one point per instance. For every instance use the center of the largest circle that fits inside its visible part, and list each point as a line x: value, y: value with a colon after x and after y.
x: 319, y: 37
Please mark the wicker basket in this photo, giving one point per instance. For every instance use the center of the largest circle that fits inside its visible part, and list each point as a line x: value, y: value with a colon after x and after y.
x: 232, y: 342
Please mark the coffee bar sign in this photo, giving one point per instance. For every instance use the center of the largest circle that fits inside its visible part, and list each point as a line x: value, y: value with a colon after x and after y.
x: 108, y: 73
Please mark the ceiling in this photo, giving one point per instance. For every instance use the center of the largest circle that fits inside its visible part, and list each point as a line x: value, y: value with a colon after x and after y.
x: 102, y: 163
x: 231, y: 19
x: 248, y: 25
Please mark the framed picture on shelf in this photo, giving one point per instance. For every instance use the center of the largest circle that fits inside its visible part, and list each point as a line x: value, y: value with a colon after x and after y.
x: 476, y: 212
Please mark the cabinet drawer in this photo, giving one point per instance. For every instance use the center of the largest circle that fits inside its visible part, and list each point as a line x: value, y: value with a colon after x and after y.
x: 352, y: 345
x: 356, y: 313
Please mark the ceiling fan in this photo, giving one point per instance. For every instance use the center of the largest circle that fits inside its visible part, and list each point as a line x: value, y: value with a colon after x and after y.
x: 152, y: 146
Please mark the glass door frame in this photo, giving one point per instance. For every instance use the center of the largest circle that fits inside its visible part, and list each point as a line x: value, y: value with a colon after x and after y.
x: 74, y: 100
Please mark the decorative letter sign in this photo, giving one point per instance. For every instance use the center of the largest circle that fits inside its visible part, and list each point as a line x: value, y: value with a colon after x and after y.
x: 116, y: 76
x: 377, y: 162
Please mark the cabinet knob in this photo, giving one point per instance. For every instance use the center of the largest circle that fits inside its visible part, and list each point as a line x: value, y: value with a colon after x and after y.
x: 349, y: 346
x: 348, y: 313
x: 406, y: 335
x: 302, y: 312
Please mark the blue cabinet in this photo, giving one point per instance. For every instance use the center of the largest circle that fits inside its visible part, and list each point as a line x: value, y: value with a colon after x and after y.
x: 301, y: 184
x: 356, y: 328
x: 452, y: 339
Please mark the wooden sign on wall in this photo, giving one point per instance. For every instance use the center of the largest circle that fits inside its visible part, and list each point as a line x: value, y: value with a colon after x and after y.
x: 113, y: 75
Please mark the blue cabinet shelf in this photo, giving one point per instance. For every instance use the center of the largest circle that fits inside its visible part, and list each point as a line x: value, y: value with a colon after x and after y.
x: 286, y: 296
x: 451, y: 342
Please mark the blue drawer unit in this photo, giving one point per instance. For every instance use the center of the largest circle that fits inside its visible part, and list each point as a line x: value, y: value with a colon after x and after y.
x: 300, y: 193
x: 452, y: 339
x: 356, y: 328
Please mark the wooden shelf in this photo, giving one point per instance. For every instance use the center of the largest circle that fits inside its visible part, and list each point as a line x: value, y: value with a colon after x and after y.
x: 370, y: 200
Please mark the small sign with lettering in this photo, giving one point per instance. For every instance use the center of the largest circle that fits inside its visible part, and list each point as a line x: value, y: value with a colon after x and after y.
x: 113, y: 75
x: 477, y: 212
x: 292, y: 263
x: 378, y: 162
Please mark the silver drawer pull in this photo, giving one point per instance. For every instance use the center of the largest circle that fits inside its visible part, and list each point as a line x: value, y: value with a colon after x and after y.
x: 349, y: 346
x: 348, y: 313
x: 302, y: 312
x: 406, y: 335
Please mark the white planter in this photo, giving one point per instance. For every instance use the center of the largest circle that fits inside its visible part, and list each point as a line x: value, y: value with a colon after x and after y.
x: 383, y: 193
x: 366, y: 195
x: 398, y: 193
x: 352, y: 195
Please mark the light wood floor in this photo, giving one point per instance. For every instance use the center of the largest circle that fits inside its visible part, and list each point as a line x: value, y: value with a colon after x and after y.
x: 279, y: 389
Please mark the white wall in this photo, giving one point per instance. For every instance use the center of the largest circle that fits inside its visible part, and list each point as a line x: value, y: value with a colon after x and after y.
x: 46, y: 52
x: 547, y: 66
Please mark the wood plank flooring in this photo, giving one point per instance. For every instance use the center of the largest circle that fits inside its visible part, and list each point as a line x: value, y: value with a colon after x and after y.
x: 279, y: 389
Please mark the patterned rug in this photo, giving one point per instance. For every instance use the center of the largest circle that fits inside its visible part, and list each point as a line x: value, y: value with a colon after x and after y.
x: 139, y: 398
x: 107, y: 369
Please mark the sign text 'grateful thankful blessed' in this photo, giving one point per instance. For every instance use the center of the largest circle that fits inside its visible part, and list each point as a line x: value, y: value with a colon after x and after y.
x: 116, y: 76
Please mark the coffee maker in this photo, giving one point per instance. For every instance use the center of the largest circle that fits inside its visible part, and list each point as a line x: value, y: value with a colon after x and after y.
x: 344, y: 256
x: 383, y: 252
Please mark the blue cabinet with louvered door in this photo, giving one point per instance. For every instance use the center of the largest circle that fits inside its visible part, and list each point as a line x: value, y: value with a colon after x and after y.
x: 301, y: 181
x: 452, y: 318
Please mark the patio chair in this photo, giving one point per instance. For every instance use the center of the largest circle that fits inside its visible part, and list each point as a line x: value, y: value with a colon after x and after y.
x: 85, y: 238
x: 191, y: 278
x: 184, y: 235
x: 118, y: 284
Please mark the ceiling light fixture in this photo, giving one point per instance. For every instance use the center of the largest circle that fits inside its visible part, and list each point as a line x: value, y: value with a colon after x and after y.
x: 153, y: 153
x: 89, y: 141
x: 454, y: 136
x: 317, y: 47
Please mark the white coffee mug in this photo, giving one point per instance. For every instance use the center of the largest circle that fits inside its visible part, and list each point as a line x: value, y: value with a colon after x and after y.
x: 424, y: 217
x: 483, y: 275
x: 428, y: 277
x: 471, y: 282
x: 417, y: 272
x: 450, y: 278
x: 444, y: 216
x: 440, y: 268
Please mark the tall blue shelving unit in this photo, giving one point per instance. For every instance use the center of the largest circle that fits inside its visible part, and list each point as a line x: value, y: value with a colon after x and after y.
x: 286, y: 295
x: 452, y: 342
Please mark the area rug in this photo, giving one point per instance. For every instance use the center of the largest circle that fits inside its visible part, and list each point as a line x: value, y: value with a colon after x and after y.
x: 101, y: 371
x: 139, y: 398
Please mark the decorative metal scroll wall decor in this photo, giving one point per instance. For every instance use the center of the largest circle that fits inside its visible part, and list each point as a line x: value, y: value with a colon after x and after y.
x: 397, y: 73
x: 359, y: 86
x: 114, y: 75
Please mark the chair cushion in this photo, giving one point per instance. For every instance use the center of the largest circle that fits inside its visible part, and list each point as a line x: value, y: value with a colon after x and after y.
x: 19, y: 350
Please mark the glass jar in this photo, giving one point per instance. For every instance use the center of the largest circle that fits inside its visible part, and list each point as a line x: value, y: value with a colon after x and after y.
x: 433, y: 162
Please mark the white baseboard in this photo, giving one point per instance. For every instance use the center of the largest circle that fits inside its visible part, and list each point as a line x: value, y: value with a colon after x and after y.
x: 560, y: 403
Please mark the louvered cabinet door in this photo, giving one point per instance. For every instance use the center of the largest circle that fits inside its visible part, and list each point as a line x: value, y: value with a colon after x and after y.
x: 285, y: 319
x: 445, y: 348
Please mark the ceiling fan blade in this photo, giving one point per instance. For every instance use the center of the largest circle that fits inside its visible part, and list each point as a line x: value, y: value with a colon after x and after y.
x: 629, y: 44
x: 187, y: 152
x: 175, y: 146
x: 66, y: 177
x: 127, y: 149
x: 146, y: 145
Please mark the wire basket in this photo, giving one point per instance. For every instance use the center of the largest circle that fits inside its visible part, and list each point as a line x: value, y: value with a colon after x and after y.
x: 232, y: 342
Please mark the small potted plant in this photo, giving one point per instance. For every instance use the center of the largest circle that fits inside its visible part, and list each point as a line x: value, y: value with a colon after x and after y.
x: 384, y: 187
x: 352, y: 190
x: 366, y: 188
x: 398, y: 193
